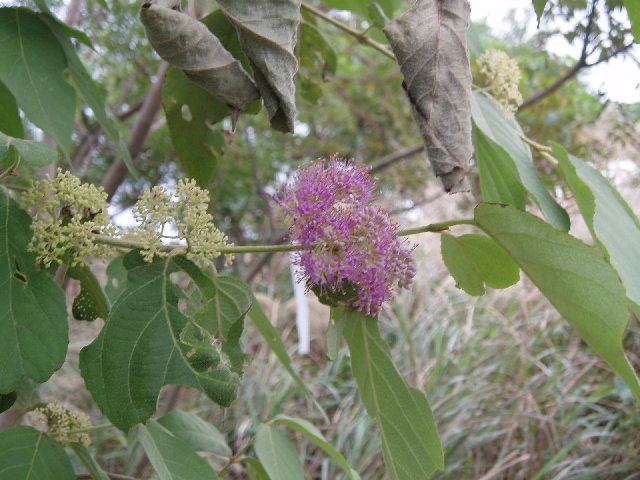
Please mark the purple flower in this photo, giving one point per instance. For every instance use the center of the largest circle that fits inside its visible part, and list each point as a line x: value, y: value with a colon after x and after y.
x: 352, y: 253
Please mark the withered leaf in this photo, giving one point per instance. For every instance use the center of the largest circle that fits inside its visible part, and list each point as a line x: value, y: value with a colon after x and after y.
x: 186, y: 43
x: 429, y: 42
x: 268, y: 32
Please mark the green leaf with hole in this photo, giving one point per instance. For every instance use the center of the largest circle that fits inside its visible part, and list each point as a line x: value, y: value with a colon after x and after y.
x: 506, y: 133
x: 499, y: 179
x: 198, y: 434
x: 476, y: 260
x: 26, y: 453
x: 37, y: 154
x: 410, y: 441
x: 277, y: 455
x: 583, y: 287
x: 148, y: 342
x: 538, y: 6
x: 610, y: 219
x: 313, y: 434
x: 32, y: 66
x: 172, y: 458
x: 33, y: 314
x: 116, y: 279
x: 91, y: 303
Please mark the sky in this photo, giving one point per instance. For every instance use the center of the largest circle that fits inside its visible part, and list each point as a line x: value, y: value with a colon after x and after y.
x: 618, y: 79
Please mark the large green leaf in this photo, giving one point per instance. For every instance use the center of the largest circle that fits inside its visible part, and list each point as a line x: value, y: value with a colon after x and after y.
x: 499, y: 179
x: 506, y: 133
x: 610, y: 219
x: 430, y: 44
x: 410, y: 441
x: 633, y: 9
x: 37, y: 154
x: 474, y: 260
x: 268, y: 32
x: 27, y: 454
x: 148, y: 342
x: 272, y: 336
x: 32, y: 66
x: 171, y: 458
x: 192, y: 113
x: 33, y: 315
x: 10, y: 122
x: 116, y: 279
x: 87, y: 88
x: 572, y: 275
x: 198, y: 434
x: 315, y: 52
x: 278, y: 456
x: 313, y: 434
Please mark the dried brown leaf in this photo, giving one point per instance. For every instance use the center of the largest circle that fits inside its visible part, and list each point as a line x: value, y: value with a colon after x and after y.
x: 268, y: 32
x: 186, y: 43
x: 429, y: 42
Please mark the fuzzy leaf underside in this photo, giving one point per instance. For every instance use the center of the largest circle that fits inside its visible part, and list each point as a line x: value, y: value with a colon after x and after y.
x: 186, y: 43
x: 430, y: 45
x: 268, y: 32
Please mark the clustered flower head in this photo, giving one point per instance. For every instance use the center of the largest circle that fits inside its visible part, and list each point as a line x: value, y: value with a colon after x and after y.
x: 62, y: 424
x: 351, y: 250
x: 185, y: 212
x: 68, y: 217
x: 500, y: 77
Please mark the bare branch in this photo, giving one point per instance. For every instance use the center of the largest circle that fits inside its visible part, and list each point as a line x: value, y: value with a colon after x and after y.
x: 389, y: 160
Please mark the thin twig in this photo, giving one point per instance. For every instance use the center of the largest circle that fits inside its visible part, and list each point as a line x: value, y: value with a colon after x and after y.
x: 361, y: 36
x: 389, y: 160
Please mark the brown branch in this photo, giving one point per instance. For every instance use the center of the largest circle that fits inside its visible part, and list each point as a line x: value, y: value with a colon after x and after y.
x: 389, y: 160
x: 118, y: 171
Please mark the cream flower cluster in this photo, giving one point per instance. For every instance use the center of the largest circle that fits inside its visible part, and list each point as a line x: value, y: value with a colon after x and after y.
x: 500, y: 77
x: 63, y: 425
x: 68, y: 216
x: 160, y: 213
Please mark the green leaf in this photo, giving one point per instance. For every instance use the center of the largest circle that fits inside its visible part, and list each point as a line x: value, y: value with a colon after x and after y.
x: 37, y: 154
x: 313, y: 434
x: 28, y: 454
x: 10, y: 121
x: 148, y: 342
x: 315, y: 52
x: 171, y: 458
x: 272, y: 337
x: 196, y: 433
x: 506, y: 133
x: 633, y: 10
x: 610, y: 219
x: 116, y: 279
x: 192, y: 113
x: 499, y: 179
x: 88, y: 462
x: 582, y: 286
x: 255, y: 470
x: 33, y: 314
x: 309, y: 90
x: 7, y: 400
x: 474, y: 260
x: 410, y: 441
x: 268, y: 32
x: 91, y: 302
x: 278, y: 456
x: 538, y: 6
x: 87, y: 88
x: 32, y: 66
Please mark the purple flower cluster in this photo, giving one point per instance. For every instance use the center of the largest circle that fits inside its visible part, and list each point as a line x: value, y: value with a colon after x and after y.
x: 352, y: 253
